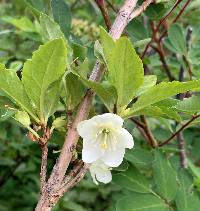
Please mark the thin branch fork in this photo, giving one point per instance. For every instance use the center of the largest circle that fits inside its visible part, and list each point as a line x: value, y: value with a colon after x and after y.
x: 152, y: 140
x: 144, y: 129
x: 162, y: 21
x: 168, y: 14
x: 177, y: 17
x: 178, y: 131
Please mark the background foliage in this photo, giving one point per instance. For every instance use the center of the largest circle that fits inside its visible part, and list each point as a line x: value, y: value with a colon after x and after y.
x: 147, y: 178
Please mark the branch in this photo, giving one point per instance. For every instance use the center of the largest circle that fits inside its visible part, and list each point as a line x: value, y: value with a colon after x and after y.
x: 123, y: 18
x: 43, y: 168
x: 178, y: 131
x: 72, y: 137
x: 44, y: 157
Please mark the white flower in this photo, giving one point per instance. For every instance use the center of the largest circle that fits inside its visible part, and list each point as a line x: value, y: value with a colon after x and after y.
x: 104, y: 139
x: 100, y: 172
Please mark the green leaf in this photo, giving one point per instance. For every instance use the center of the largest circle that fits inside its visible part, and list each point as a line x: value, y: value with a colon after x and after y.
x: 46, y: 66
x: 98, y: 52
x: 105, y: 91
x: 51, y: 99
x: 36, y: 7
x: 83, y: 69
x: 177, y: 38
x: 107, y: 43
x: 155, y: 11
x: 132, y: 180
x: 194, y: 169
x: 13, y: 88
x: 62, y: 15
x: 168, y: 108
x: 190, y: 105
x: 22, y: 23
x: 79, y: 51
x: 5, y: 114
x: 122, y: 167
x: 141, y: 43
x: 165, y: 177
x: 185, y: 200
x: 23, y: 118
x: 160, y: 92
x: 74, y: 90
x: 6, y: 103
x: 141, y: 202
x: 125, y: 72
x: 137, y: 31
x: 50, y: 30
x: 139, y: 157
x: 149, y: 81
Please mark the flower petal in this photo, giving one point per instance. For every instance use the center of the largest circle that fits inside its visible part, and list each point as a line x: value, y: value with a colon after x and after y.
x: 91, y: 152
x: 126, y: 138
x: 114, y: 158
x: 100, y: 172
x: 87, y: 129
x: 104, y: 176
x: 109, y: 118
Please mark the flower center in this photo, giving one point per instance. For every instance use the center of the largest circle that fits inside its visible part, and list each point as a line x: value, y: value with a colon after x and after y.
x: 104, y: 137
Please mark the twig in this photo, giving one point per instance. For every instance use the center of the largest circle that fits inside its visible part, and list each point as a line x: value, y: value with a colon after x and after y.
x: 138, y: 123
x: 112, y: 6
x: 180, y: 138
x: 141, y: 8
x: 176, y: 18
x: 164, y: 63
x: 160, y: 23
x: 73, y: 172
x: 102, y: 6
x: 145, y: 130
x: 189, y: 66
x: 79, y: 176
x: 168, y: 14
x: 181, y: 144
x: 148, y: 133
x: 178, y: 131
x: 74, y: 4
